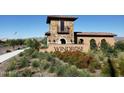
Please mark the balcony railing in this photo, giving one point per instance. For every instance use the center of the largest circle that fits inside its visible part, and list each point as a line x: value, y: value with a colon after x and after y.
x: 63, y: 32
x: 66, y: 31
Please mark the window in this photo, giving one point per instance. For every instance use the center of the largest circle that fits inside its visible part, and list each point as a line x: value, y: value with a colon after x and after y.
x: 104, y: 45
x: 62, y: 25
x: 54, y: 41
x: 81, y: 41
x: 93, y: 45
x: 63, y: 41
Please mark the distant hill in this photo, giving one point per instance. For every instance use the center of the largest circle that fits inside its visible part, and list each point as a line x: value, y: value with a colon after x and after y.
x: 119, y: 38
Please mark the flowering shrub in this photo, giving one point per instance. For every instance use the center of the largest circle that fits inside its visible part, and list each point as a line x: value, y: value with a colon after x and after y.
x: 81, y: 60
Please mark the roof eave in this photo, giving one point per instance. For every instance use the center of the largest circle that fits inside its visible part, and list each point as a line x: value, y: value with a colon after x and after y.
x: 57, y: 18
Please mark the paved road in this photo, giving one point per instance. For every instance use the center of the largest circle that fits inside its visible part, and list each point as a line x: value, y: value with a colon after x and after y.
x: 6, y: 56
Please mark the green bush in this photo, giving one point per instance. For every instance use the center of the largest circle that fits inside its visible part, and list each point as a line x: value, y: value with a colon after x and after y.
x: 71, y: 71
x: 12, y: 65
x: 35, y: 54
x: 93, y: 66
x: 105, y: 71
x: 42, y: 56
x: 60, y: 70
x: 23, y: 62
x: 35, y: 64
x: 83, y: 73
x: 33, y: 43
x: 44, y: 65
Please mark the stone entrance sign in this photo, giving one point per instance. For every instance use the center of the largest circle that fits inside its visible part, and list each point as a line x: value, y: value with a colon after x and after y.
x: 62, y: 48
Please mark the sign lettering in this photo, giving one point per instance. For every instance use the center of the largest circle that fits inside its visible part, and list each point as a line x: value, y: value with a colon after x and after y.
x: 68, y: 48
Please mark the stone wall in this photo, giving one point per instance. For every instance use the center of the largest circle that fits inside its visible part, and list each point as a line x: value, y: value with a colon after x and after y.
x: 81, y: 47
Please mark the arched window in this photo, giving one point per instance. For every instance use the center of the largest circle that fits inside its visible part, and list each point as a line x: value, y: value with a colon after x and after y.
x: 104, y: 44
x: 54, y: 41
x: 103, y: 40
x: 71, y: 40
x: 81, y: 41
x: 63, y: 41
x: 49, y: 40
x: 93, y: 45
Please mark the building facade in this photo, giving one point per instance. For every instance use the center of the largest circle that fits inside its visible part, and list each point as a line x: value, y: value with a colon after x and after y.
x: 61, y: 35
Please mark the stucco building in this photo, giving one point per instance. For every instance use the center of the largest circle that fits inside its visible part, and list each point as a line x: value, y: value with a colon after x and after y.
x: 61, y: 35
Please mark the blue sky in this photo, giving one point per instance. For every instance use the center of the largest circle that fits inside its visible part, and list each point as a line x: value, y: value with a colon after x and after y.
x: 35, y: 26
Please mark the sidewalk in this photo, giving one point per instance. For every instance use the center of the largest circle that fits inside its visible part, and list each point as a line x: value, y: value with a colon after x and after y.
x: 6, y: 56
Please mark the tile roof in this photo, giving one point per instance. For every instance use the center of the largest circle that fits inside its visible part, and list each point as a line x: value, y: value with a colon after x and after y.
x: 96, y: 34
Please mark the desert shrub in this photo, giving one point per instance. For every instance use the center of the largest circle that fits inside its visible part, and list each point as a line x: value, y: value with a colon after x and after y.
x: 41, y: 56
x: 27, y: 72
x: 110, y: 69
x: 44, y: 65
x: 55, y: 66
x: 120, y: 60
x: 98, y: 55
x: 66, y: 70
x: 119, y: 45
x: 46, y: 56
x: 60, y: 70
x: 52, y: 69
x: 49, y: 57
x: 23, y: 62
x: 11, y: 74
x: 35, y: 64
x: 21, y: 54
x: 105, y: 71
x: 121, y: 65
x: 83, y: 73
x: 35, y: 54
x: 12, y: 65
x: 71, y: 71
x: 28, y: 52
x: 93, y: 66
